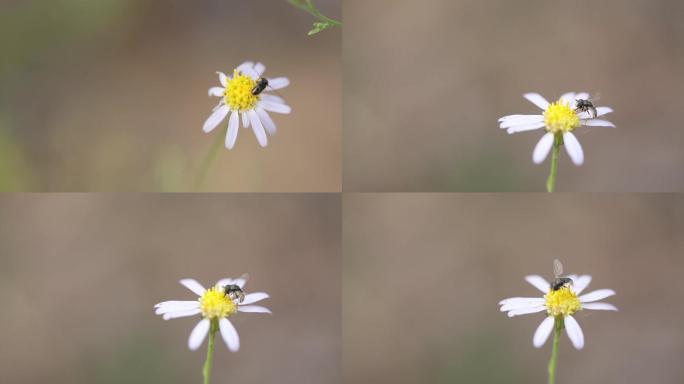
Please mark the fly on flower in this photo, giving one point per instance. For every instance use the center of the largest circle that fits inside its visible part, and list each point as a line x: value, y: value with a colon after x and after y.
x: 245, y: 95
x: 559, y: 119
x: 561, y: 301
x: 215, y: 305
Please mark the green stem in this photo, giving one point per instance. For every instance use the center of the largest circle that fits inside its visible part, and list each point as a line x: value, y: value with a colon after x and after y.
x: 309, y: 7
x: 558, y: 327
x: 209, y: 160
x: 206, y: 371
x: 551, y: 181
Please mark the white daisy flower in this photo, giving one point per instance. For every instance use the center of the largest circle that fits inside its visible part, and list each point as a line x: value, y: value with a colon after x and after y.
x: 242, y: 98
x: 559, y: 119
x: 214, y: 305
x: 562, y: 303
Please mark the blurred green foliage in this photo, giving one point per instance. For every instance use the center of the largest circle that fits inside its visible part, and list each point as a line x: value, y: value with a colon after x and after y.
x: 137, y: 359
x: 476, y: 172
x: 24, y: 41
x: 484, y: 359
x: 15, y: 172
x: 33, y: 33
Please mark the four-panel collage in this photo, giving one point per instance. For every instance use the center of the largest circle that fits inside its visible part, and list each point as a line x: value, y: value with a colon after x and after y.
x: 341, y: 191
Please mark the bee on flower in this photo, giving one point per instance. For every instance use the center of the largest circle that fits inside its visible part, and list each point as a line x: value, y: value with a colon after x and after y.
x: 214, y: 305
x: 245, y: 95
x: 562, y: 299
x: 559, y: 119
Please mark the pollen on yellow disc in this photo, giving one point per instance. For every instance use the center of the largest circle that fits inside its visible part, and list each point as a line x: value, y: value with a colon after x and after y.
x: 562, y: 302
x: 216, y: 304
x: 560, y: 117
x: 238, y: 93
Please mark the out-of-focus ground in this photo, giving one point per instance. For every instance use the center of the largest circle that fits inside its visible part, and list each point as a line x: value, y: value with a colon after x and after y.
x: 423, y: 275
x: 79, y: 275
x: 111, y: 95
x: 426, y: 81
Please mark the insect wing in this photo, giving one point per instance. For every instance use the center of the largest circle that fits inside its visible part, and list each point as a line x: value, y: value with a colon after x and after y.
x: 557, y: 268
x: 241, y: 281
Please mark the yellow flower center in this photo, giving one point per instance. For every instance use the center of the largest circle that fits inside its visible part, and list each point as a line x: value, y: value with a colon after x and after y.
x: 562, y: 302
x: 216, y: 304
x: 238, y: 93
x: 560, y: 117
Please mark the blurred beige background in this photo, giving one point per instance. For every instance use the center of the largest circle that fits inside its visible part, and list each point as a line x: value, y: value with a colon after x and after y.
x: 423, y: 275
x: 111, y: 95
x: 79, y: 275
x: 426, y: 81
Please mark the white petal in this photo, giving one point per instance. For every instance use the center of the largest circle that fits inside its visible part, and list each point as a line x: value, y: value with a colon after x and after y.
x: 521, y: 304
x: 278, y: 82
x: 512, y: 300
x: 520, y: 120
x: 258, y: 128
x: 246, y: 64
x: 573, y: 147
x: 241, y: 281
x: 596, y: 295
x: 253, y: 309
x: 175, y: 306
x: 272, y: 98
x: 574, y: 331
x: 223, y: 78
x: 275, y: 107
x: 598, y: 123
x: 600, y: 111
x: 233, y: 128
x: 245, y: 120
x: 260, y: 68
x: 518, y: 306
x: 537, y: 100
x: 580, y: 283
x: 251, y: 298
x: 525, y: 127
x: 194, y: 286
x: 216, y: 118
x: 198, y: 334
x: 229, y: 334
x: 268, y: 124
x: 522, y: 117
x: 526, y: 311
x: 247, y: 68
x: 173, y: 303
x: 541, y: 150
x: 582, y: 96
x: 216, y: 91
x: 175, y: 315
x: 569, y: 98
x: 539, y: 282
x: 600, y: 306
x: 543, y: 331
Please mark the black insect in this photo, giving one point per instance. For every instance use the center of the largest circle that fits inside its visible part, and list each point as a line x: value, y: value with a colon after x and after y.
x: 585, y: 106
x: 559, y: 282
x: 261, y: 84
x: 235, y: 292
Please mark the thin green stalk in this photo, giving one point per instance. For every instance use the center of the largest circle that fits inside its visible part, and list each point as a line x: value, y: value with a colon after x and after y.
x: 323, y: 22
x: 558, y: 327
x: 551, y: 181
x: 209, y: 160
x: 206, y: 371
